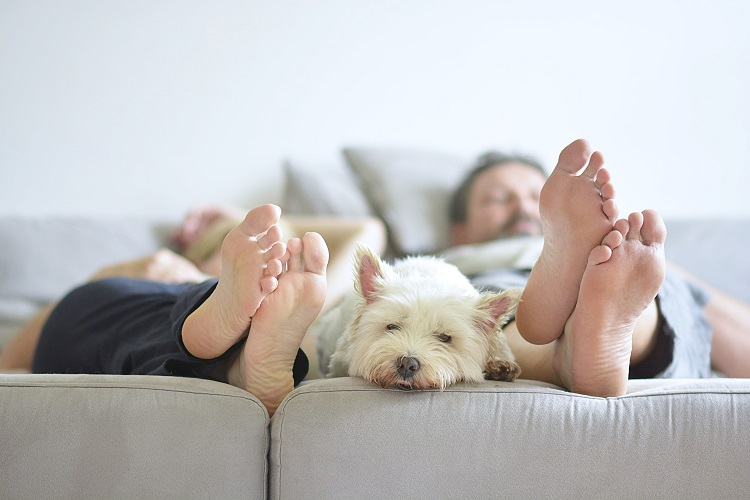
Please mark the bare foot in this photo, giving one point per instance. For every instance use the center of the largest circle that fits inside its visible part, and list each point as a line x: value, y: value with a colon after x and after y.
x: 621, y: 280
x: 264, y: 366
x: 251, y: 254
x: 577, y: 210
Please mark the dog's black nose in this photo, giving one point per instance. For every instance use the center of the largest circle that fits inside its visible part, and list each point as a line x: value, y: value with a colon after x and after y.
x: 407, y: 366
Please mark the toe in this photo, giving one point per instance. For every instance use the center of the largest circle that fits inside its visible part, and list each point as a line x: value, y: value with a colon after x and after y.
x: 596, y: 162
x: 613, y: 239
x: 574, y: 156
x: 610, y: 210
x: 276, y: 251
x: 653, y: 230
x: 607, y: 191
x: 260, y: 219
x: 268, y: 284
x: 284, y: 259
x: 623, y: 226
x: 602, y: 177
x: 274, y: 267
x: 599, y: 255
x: 635, y: 221
x: 604, y: 184
x: 272, y: 236
x: 315, y: 253
x: 294, y: 246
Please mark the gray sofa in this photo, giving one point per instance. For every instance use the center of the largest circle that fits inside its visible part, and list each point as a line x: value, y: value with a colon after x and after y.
x: 98, y: 436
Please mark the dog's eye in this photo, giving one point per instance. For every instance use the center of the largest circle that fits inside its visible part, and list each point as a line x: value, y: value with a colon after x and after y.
x: 442, y: 337
x: 393, y: 327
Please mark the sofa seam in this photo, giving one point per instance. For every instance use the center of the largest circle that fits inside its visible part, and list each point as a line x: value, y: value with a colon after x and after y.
x: 561, y: 393
x: 156, y: 389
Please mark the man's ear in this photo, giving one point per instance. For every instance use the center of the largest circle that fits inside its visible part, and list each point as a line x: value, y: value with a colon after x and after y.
x: 368, y: 270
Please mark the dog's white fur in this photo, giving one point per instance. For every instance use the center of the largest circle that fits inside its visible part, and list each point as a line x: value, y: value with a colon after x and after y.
x: 418, y: 323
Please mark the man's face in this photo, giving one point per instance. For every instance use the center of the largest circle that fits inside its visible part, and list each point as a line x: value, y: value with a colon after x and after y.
x: 503, y: 202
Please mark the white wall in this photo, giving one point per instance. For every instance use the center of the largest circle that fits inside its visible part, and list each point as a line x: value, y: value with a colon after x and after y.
x: 144, y: 107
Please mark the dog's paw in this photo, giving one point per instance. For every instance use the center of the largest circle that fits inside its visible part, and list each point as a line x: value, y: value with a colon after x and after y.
x: 498, y: 369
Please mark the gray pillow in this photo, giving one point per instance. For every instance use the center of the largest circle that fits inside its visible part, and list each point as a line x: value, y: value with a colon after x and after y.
x: 410, y: 190
x: 330, y: 190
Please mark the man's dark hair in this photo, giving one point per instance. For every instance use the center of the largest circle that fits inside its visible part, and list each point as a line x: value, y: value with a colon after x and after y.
x: 460, y: 198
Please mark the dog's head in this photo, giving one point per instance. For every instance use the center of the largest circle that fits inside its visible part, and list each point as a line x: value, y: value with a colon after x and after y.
x: 421, y: 324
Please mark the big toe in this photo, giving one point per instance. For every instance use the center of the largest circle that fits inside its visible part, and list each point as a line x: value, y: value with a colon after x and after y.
x: 260, y: 219
x: 574, y: 156
x: 314, y: 253
x: 653, y: 230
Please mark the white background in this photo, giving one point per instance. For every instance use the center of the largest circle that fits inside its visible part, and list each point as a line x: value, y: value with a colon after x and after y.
x: 147, y: 107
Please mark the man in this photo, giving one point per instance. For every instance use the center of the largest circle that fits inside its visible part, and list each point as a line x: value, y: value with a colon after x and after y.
x: 590, y: 314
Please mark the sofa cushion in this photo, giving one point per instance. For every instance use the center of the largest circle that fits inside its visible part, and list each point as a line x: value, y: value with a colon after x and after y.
x: 664, y: 439
x: 97, y: 436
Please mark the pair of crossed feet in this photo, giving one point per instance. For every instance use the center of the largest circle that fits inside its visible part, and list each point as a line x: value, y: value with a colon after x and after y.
x: 269, y: 292
x: 595, y: 277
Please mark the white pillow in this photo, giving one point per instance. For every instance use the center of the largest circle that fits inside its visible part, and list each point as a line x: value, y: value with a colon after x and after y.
x: 330, y: 190
x: 410, y: 190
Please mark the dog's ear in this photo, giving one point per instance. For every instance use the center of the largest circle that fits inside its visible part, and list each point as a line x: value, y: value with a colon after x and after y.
x: 368, y: 268
x: 499, y: 307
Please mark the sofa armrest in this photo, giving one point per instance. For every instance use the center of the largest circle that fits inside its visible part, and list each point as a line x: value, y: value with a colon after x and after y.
x: 100, y: 436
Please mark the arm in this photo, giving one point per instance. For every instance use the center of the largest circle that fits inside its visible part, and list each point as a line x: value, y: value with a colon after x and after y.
x: 730, y: 320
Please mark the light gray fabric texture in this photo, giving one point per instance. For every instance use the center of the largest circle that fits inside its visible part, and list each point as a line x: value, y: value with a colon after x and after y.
x: 410, y: 190
x: 345, y: 438
x: 322, y: 190
x: 96, y: 436
x: 717, y: 251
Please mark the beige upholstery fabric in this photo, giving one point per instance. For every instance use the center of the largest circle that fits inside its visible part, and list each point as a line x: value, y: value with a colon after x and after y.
x: 96, y: 436
x: 345, y: 438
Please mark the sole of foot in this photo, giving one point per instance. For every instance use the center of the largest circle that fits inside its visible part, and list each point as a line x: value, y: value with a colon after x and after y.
x: 622, y: 277
x: 577, y: 209
x: 251, y: 261
x: 264, y: 366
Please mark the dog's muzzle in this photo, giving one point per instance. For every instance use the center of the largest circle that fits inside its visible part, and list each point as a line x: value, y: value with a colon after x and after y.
x: 407, y: 367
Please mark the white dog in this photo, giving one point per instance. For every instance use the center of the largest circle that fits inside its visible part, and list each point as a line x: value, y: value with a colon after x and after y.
x: 417, y: 324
